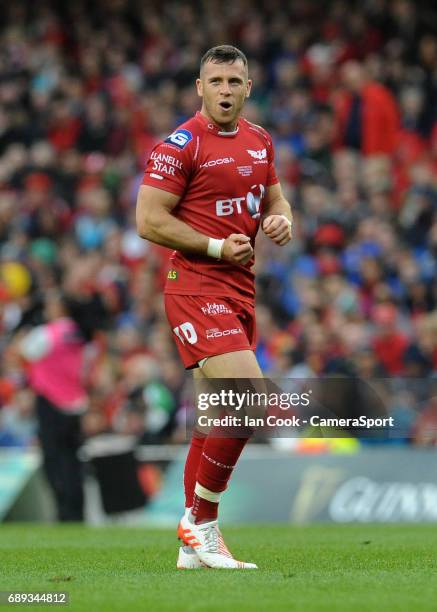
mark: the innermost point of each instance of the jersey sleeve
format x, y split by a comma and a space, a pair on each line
272, 177
170, 163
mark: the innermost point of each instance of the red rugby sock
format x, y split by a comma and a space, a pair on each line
216, 464
192, 465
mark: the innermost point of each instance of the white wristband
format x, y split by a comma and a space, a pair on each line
215, 247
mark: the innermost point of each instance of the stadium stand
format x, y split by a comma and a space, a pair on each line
349, 94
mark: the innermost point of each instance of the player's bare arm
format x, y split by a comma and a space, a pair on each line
155, 222
277, 218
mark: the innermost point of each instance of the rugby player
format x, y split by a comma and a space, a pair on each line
206, 190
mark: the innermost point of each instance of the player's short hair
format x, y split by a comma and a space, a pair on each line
223, 54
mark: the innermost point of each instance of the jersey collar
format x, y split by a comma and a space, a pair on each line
212, 128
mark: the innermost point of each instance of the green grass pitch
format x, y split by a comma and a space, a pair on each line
324, 567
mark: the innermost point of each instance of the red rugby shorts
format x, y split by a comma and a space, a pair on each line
206, 326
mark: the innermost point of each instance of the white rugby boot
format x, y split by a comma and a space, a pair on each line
207, 541
187, 557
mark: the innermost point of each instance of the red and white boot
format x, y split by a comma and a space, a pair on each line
207, 542
187, 557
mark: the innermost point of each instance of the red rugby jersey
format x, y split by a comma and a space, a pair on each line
222, 179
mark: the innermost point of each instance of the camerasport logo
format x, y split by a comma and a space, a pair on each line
215, 309
220, 333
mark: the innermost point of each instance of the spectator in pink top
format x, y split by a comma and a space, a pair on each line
55, 353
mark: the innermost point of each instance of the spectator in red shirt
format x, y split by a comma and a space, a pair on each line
367, 113
389, 343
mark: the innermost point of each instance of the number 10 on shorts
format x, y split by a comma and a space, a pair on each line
186, 331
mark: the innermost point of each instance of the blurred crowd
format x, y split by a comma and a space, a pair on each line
348, 91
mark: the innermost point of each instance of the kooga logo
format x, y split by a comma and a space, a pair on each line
218, 162
363, 500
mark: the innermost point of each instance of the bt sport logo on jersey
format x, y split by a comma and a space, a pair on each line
230, 206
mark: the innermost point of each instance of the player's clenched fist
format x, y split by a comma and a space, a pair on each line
237, 249
278, 228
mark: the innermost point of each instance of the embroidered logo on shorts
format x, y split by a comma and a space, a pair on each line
172, 275
219, 333
212, 308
